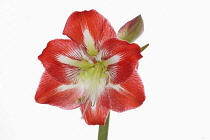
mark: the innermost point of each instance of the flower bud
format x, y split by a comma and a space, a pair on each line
131, 30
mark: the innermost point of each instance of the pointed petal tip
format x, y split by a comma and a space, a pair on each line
94, 123
39, 99
96, 115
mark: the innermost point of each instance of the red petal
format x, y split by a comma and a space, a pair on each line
61, 72
53, 93
98, 26
128, 95
95, 115
122, 57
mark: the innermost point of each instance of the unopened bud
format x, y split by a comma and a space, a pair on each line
131, 30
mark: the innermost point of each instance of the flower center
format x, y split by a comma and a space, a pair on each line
93, 78
92, 73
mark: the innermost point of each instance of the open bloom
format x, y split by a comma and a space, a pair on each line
92, 70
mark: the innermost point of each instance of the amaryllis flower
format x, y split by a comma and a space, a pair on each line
93, 70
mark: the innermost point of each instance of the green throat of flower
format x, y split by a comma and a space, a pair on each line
93, 74
93, 77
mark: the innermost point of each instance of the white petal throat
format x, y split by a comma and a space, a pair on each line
89, 43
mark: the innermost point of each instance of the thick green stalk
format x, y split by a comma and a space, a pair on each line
103, 130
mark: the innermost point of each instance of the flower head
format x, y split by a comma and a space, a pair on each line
92, 70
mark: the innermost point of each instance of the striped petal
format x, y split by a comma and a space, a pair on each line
56, 94
88, 28
125, 96
121, 58
61, 59
95, 115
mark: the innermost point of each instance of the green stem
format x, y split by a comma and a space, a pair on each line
103, 130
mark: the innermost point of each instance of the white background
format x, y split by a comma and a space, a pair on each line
175, 70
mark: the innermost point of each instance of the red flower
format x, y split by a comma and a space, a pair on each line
92, 70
